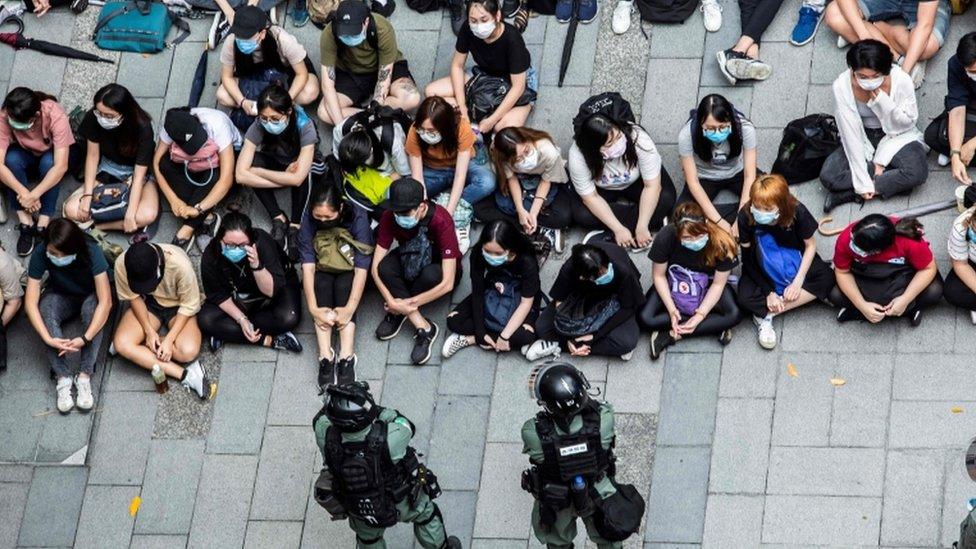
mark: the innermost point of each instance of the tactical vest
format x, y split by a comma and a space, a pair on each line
367, 482
580, 454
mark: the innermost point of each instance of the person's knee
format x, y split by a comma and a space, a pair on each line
125, 342
834, 18
309, 93
186, 349
223, 97
323, 114
286, 318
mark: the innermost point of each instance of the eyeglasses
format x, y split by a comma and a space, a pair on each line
234, 246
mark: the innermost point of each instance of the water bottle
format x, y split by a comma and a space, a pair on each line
581, 497
159, 378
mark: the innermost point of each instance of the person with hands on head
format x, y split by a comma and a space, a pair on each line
718, 152
882, 154
506, 294
252, 290
424, 267
119, 148
953, 133
781, 269
692, 259
11, 298
77, 285
361, 63
333, 295
884, 268
498, 50
161, 287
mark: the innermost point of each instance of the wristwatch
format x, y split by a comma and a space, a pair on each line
86, 340
197, 207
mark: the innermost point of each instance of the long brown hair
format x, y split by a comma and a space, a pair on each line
772, 192
689, 220
503, 150
444, 117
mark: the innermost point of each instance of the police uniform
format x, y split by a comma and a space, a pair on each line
584, 450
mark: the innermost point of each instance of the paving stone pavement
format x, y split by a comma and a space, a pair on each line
728, 449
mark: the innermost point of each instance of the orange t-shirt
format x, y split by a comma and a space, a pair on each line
435, 156
51, 130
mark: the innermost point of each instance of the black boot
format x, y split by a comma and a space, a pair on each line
840, 198
452, 543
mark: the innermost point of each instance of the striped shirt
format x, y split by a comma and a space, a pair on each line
960, 248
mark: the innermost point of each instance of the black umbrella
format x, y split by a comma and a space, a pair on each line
18, 41
199, 80
568, 45
915, 211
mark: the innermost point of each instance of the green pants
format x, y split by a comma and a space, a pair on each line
428, 527
563, 531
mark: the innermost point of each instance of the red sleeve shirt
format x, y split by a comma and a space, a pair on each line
905, 251
440, 230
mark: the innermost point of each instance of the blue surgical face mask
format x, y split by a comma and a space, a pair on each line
406, 221
354, 40
763, 217
20, 126
235, 254
62, 261
605, 278
276, 127
246, 47
971, 235
697, 244
857, 250
718, 136
494, 260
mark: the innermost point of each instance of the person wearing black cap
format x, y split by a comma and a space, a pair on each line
423, 268
258, 51
361, 63
194, 167
161, 287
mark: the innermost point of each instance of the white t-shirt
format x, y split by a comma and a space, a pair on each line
960, 248
721, 166
218, 126
397, 160
617, 174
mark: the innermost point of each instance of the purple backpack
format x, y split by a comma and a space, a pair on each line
687, 288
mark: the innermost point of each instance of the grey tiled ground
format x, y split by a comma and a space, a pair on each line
728, 449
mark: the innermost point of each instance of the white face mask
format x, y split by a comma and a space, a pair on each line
530, 161
431, 138
108, 123
483, 30
971, 76
870, 84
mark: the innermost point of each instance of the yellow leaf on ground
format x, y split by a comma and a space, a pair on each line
837, 382
957, 409
134, 506
791, 369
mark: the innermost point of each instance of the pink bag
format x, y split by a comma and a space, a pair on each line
207, 158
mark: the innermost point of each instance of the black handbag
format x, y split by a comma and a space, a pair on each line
484, 93
110, 199
577, 316
806, 144
619, 516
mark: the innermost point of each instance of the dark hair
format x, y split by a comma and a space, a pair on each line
508, 236
358, 148
719, 108
235, 221
503, 147
587, 261
66, 237
288, 144
876, 232
593, 135
870, 54
245, 65
966, 50
22, 104
491, 6
119, 99
328, 192
444, 117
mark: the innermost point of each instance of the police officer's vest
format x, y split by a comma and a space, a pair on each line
579, 454
368, 483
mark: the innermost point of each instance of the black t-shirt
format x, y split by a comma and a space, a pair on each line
221, 278
803, 227
108, 142
77, 279
503, 57
667, 249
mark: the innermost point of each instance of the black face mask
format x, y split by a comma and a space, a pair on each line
324, 225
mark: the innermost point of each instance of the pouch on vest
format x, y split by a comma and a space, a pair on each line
325, 495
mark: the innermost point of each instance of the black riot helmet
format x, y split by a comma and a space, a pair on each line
561, 390
351, 407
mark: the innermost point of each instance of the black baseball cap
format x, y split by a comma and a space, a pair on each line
185, 130
406, 194
350, 16
144, 265
248, 21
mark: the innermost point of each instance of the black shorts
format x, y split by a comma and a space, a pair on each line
164, 314
360, 87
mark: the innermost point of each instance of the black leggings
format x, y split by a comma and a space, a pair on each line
929, 296
391, 273
299, 195
277, 316
620, 341
756, 16
625, 205
333, 290
712, 188
187, 191
724, 315
461, 321
557, 215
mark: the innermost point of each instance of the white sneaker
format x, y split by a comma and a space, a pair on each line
111, 349
842, 42
943, 160
454, 343
972, 316
65, 402
767, 334
196, 381
540, 349
464, 239
627, 356
558, 241
918, 74
85, 398
592, 234
711, 14
219, 30
621, 17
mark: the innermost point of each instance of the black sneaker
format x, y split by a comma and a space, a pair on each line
846, 314
915, 318
207, 230
456, 9
659, 341
840, 198
292, 243
389, 327
215, 344
725, 337
327, 373
183, 243
25, 242
345, 370
279, 229
423, 342
510, 8
286, 342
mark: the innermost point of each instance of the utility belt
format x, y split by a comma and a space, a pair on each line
554, 497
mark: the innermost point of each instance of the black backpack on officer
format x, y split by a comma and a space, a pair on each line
609, 104
666, 11
806, 144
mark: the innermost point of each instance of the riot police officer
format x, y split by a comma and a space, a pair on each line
371, 474
570, 446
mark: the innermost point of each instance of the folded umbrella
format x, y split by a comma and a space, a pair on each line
18, 41
199, 81
568, 45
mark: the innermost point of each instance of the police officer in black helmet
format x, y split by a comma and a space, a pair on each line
371, 474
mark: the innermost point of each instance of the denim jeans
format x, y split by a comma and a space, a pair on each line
480, 182
25, 165
56, 310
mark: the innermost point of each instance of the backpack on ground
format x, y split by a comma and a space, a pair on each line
806, 144
138, 26
666, 11
609, 104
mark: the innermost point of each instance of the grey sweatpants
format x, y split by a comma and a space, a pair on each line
56, 310
907, 170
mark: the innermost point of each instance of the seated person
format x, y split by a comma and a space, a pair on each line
11, 298
261, 52
912, 30
595, 300
334, 295
718, 152
506, 294
781, 269
35, 145
960, 284
120, 145
195, 169
884, 268
368, 171
278, 151
361, 63
741, 61
953, 133
161, 287
692, 259
77, 285
498, 49
423, 268
619, 182
252, 290
882, 153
